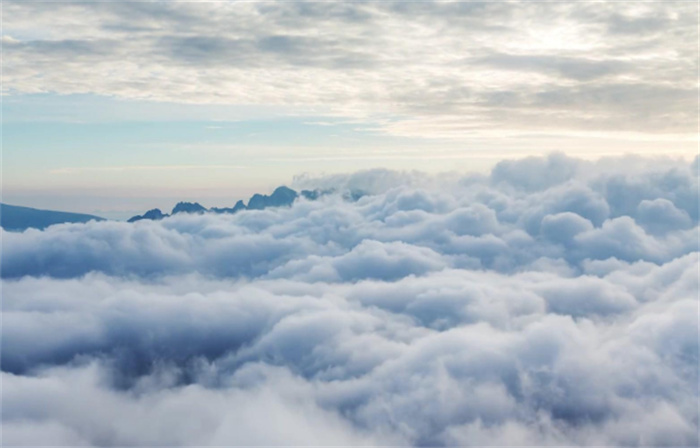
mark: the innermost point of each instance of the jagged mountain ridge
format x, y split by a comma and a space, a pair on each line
282, 197
17, 218
154, 215
238, 207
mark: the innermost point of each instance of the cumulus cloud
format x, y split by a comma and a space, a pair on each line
484, 310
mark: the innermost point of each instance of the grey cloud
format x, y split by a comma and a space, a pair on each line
639, 95
66, 48
660, 215
580, 69
620, 24
535, 173
625, 191
404, 60
660, 107
562, 227
262, 52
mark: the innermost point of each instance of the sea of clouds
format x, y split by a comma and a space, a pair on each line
552, 301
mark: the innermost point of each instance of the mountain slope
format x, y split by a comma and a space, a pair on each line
188, 207
236, 208
154, 214
281, 197
13, 217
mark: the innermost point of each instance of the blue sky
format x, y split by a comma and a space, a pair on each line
115, 107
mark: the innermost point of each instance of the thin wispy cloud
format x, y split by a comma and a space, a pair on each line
82, 169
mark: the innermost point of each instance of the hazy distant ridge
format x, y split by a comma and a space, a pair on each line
13, 217
21, 218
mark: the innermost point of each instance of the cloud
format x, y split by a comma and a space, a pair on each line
435, 69
579, 69
660, 215
484, 310
563, 227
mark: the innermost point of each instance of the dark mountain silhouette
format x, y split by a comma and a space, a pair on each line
281, 197
154, 214
188, 207
236, 208
13, 217
257, 202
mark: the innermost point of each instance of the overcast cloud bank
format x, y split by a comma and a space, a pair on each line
551, 302
428, 68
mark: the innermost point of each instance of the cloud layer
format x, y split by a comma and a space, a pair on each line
417, 69
551, 302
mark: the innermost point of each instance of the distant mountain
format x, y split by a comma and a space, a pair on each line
281, 197
189, 207
236, 208
154, 214
13, 217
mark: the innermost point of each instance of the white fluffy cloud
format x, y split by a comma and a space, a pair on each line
488, 310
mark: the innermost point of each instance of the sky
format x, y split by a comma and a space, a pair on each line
520, 270
116, 107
